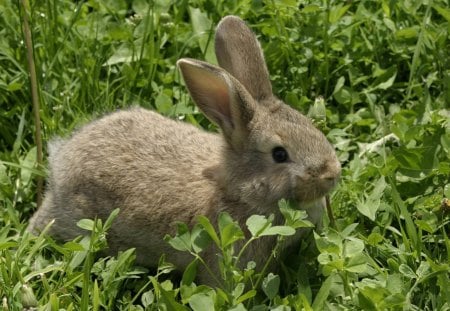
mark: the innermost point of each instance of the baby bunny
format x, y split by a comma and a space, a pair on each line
159, 171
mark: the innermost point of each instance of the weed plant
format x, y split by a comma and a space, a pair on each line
375, 77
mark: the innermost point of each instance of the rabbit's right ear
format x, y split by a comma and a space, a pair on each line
239, 52
220, 97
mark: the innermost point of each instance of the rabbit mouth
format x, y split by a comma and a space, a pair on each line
314, 189
310, 195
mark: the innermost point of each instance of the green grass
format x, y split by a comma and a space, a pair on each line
374, 75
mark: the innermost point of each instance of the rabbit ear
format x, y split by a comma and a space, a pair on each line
220, 97
239, 52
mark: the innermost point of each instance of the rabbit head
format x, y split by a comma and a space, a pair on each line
272, 151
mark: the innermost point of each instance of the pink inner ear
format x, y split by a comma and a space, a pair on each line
223, 103
210, 89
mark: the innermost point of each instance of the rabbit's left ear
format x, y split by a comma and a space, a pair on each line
239, 52
220, 97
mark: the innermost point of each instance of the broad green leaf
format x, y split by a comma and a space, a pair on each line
238, 307
250, 294
392, 302
337, 12
95, 297
124, 54
73, 246
379, 189
374, 238
117, 6
423, 271
182, 240
271, 285
168, 298
339, 84
407, 271
14, 86
325, 244
200, 238
386, 79
86, 224
418, 161
28, 163
395, 282
230, 231
295, 218
343, 96
428, 222
147, 298
190, 273
202, 27
353, 247
330, 262
402, 125
349, 229
368, 208
311, 8
164, 104
230, 234
371, 204
209, 229
357, 264
202, 301
323, 293
256, 224
372, 290
111, 218
80, 256
238, 290
224, 220
407, 33
278, 230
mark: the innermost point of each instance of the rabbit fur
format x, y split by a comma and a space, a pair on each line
160, 171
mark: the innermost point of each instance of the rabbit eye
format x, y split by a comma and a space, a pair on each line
279, 155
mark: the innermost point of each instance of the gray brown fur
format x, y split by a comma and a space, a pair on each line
159, 171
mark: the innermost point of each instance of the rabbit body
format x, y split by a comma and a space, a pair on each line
160, 171
149, 166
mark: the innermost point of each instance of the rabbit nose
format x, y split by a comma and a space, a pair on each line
330, 171
325, 174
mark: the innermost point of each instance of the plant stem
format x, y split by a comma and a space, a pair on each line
280, 241
34, 97
417, 51
330, 212
325, 48
208, 269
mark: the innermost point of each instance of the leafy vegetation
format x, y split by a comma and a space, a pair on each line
374, 75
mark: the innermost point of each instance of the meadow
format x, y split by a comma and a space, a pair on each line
373, 75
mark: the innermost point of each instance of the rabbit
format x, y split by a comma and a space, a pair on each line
159, 171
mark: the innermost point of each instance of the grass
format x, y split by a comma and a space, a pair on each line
374, 75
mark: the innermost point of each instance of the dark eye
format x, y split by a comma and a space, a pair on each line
279, 155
